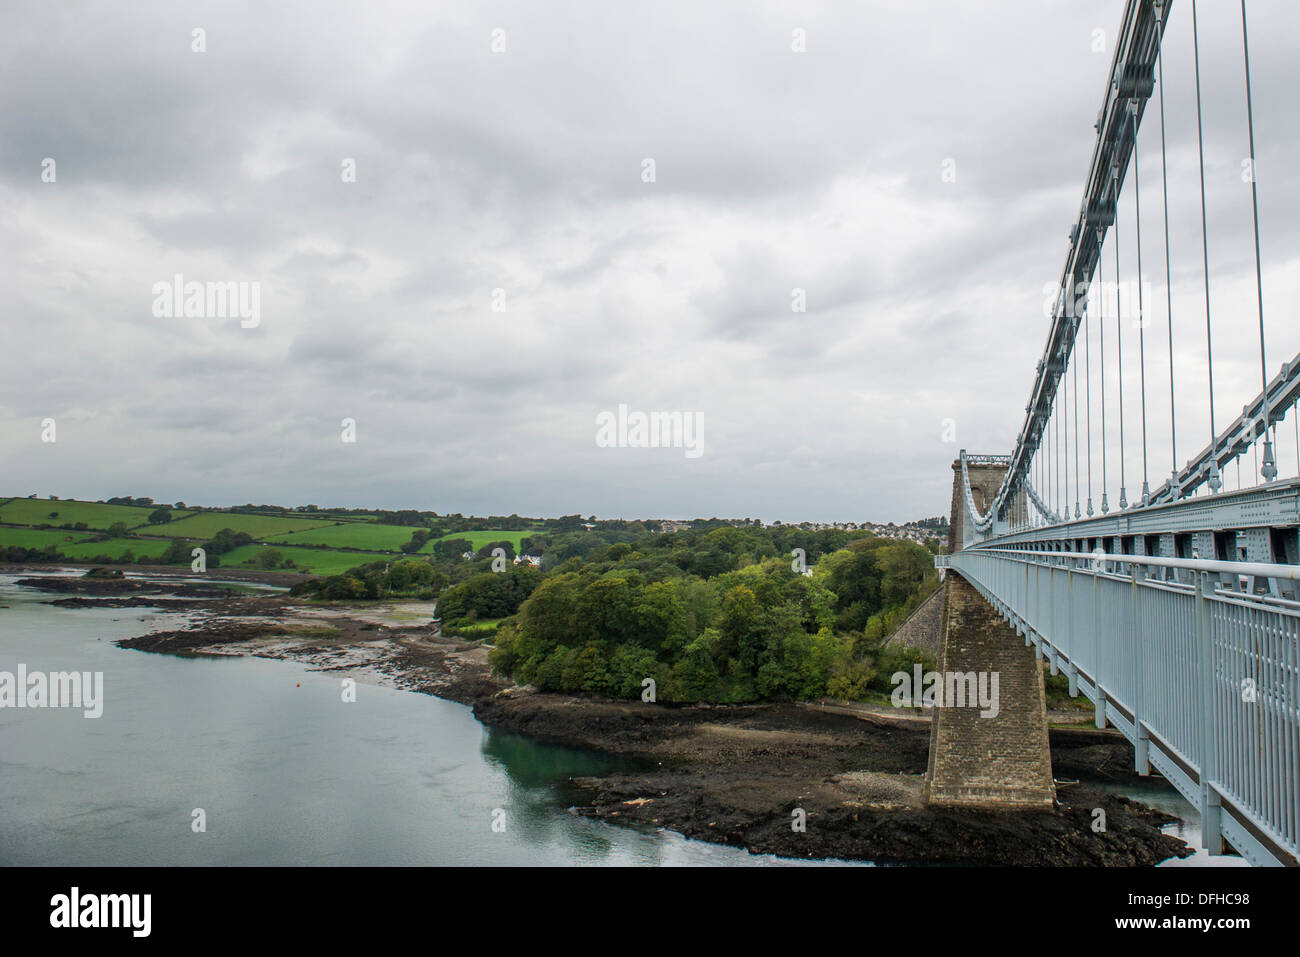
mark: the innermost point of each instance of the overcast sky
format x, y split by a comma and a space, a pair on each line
523, 171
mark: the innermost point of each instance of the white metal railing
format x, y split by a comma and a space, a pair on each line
1200, 672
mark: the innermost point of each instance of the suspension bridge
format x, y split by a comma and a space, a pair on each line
1169, 600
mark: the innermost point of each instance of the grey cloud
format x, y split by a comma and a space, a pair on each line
522, 171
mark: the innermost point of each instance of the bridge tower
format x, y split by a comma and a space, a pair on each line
977, 758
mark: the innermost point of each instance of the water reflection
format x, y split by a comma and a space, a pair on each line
286, 772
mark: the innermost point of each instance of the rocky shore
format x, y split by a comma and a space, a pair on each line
740, 775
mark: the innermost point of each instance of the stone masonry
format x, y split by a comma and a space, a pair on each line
923, 628
998, 761
985, 480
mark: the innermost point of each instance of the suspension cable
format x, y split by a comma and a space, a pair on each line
1169, 289
1101, 378
1142, 319
1214, 481
1119, 349
1087, 352
1038, 464
1051, 457
1065, 447
1074, 370
1270, 468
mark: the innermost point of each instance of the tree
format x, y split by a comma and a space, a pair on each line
177, 553
160, 516
660, 621
227, 540
344, 588
604, 612
549, 615
506, 546
450, 548
117, 530
695, 675
740, 614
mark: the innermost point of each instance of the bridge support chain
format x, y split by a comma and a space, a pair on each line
982, 756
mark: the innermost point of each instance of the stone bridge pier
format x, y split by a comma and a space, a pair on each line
986, 760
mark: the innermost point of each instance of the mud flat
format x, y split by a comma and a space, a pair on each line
120, 586
735, 774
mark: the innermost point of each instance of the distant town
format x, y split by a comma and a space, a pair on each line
926, 531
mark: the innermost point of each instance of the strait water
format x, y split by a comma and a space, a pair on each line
284, 771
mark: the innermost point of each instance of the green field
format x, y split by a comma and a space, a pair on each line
320, 561
203, 526
115, 548
365, 535
39, 537
287, 534
482, 538
36, 511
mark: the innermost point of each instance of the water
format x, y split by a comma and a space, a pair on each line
1163, 796
287, 773
284, 770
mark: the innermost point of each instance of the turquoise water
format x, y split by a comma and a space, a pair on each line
285, 771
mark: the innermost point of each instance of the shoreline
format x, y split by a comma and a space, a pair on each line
246, 576
732, 774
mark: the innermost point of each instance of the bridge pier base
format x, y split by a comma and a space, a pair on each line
1099, 709
988, 757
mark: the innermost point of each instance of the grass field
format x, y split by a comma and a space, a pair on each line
482, 538
366, 535
39, 537
287, 534
203, 526
115, 548
482, 629
318, 561
36, 511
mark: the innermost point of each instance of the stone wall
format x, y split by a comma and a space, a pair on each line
985, 480
924, 627
999, 761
